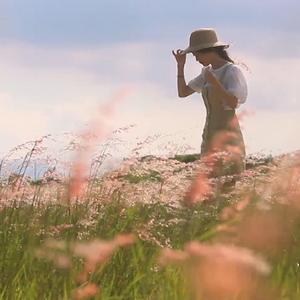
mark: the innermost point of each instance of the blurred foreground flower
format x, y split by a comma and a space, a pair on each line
95, 254
220, 271
225, 156
97, 131
86, 292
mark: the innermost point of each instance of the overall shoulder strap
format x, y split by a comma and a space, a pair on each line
225, 70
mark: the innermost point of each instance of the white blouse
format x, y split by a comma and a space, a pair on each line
234, 82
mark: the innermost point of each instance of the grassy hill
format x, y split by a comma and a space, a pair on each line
131, 236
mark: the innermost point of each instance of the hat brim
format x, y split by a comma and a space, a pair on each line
191, 49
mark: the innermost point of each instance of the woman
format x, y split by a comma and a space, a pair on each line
223, 88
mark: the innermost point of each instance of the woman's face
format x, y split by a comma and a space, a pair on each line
203, 58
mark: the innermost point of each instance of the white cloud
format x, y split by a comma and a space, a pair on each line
272, 131
60, 89
19, 124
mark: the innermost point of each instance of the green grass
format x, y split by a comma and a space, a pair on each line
152, 176
133, 272
186, 157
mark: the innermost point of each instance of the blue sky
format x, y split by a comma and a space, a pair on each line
74, 22
60, 59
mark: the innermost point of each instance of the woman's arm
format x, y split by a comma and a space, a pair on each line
229, 98
183, 89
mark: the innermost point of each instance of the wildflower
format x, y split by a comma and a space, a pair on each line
168, 255
199, 189
229, 253
97, 252
97, 130
94, 252
124, 239
86, 292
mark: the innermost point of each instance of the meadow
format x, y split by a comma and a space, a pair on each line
131, 235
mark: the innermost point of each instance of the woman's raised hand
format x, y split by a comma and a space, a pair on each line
180, 57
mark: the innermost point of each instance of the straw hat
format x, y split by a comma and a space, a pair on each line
203, 38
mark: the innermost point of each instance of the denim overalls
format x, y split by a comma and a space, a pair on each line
219, 120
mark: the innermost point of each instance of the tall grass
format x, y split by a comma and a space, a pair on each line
64, 238
132, 273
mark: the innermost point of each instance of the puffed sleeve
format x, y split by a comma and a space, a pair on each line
196, 83
236, 84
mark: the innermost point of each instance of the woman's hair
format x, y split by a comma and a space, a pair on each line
222, 53
220, 50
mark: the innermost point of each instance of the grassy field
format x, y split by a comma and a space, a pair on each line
151, 250
132, 273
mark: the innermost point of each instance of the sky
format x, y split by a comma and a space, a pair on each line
60, 60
